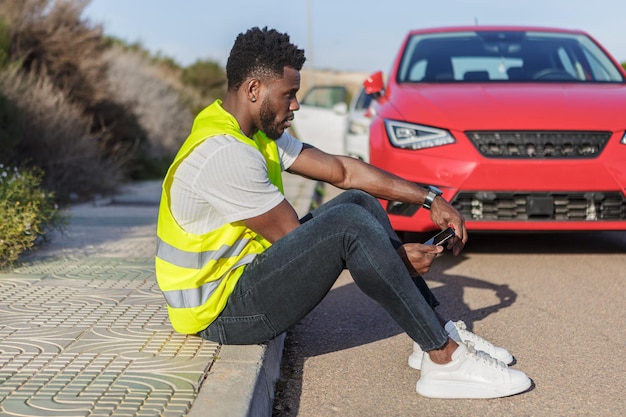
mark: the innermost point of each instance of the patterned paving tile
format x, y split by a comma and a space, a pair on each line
91, 337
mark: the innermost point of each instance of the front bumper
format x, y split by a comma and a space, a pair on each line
512, 194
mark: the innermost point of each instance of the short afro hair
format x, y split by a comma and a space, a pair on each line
261, 53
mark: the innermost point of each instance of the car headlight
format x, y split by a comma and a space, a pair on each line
623, 141
413, 136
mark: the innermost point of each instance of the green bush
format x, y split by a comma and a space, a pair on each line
26, 211
208, 78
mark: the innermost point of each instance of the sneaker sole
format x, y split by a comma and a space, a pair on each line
455, 389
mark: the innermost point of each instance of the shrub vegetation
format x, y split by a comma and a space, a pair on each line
80, 113
207, 78
55, 76
26, 211
152, 93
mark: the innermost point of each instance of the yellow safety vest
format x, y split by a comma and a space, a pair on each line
197, 273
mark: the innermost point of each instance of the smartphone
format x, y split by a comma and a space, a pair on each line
441, 238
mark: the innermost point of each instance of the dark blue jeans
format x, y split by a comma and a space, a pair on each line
284, 283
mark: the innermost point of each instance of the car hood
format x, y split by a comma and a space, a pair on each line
512, 106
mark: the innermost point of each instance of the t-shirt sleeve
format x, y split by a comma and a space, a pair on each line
288, 149
234, 180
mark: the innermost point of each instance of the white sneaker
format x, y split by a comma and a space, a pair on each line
470, 374
459, 333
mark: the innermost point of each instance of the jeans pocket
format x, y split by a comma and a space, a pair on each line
244, 330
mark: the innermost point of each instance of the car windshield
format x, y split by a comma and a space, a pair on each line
505, 56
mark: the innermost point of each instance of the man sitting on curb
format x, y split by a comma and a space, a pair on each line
237, 266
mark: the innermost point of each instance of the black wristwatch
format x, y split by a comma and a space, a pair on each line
432, 193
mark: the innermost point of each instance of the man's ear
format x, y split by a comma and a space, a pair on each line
253, 89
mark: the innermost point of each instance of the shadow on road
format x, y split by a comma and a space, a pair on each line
449, 290
347, 318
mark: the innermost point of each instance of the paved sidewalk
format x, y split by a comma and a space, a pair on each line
84, 328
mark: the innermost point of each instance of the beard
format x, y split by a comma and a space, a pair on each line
268, 121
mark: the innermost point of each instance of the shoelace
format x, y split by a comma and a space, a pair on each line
484, 357
468, 336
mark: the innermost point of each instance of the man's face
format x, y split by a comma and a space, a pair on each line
278, 104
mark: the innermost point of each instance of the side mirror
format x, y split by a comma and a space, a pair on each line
374, 84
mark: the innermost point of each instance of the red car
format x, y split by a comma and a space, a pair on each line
522, 128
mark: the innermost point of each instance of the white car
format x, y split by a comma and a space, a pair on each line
357, 133
326, 122
321, 120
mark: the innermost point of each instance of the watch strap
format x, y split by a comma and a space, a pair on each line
430, 197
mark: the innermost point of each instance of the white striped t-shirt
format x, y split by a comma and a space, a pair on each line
224, 180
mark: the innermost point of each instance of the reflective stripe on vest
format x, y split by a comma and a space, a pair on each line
197, 260
195, 297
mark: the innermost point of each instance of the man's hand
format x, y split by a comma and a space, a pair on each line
418, 257
444, 215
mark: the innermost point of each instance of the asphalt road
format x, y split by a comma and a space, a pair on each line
555, 301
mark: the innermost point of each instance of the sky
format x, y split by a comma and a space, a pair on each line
343, 35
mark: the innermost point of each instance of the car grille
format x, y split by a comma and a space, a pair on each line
539, 144
553, 206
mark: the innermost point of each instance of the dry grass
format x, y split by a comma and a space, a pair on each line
154, 97
57, 137
57, 53
52, 38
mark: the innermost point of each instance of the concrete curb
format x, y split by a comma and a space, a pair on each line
241, 381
